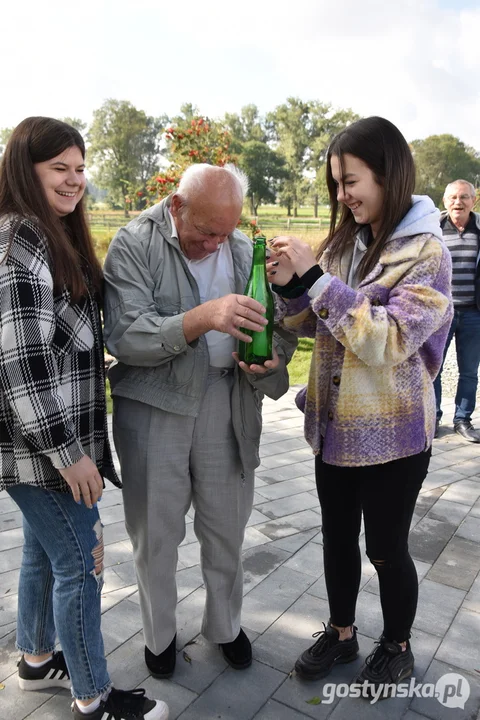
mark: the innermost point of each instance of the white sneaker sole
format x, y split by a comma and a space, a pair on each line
159, 712
32, 685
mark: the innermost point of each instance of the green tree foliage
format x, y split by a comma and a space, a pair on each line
75, 123
4, 138
124, 151
439, 160
290, 130
265, 168
245, 127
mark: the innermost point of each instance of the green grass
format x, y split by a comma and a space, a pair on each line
299, 366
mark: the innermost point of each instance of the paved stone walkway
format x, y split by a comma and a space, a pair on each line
285, 598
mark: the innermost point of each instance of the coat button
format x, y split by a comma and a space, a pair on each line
176, 348
330, 415
323, 313
336, 380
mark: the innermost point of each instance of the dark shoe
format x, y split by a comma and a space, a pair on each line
125, 705
52, 674
387, 664
318, 660
238, 653
466, 430
163, 665
437, 428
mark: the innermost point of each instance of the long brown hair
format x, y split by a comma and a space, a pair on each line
35, 140
383, 148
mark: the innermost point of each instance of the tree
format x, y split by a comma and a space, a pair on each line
4, 138
76, 123
190, 139
245, 127
124, 149
264, 168
290, 130
439, 160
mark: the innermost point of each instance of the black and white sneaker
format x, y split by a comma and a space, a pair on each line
125, 705
52, 674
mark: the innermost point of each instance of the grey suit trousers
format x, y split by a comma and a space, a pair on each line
169, 461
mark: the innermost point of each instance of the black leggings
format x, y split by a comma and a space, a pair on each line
387, 495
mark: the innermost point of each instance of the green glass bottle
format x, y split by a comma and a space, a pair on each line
260, 349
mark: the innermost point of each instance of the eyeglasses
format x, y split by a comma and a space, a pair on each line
460, 197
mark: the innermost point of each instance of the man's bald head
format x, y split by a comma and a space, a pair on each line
207, 207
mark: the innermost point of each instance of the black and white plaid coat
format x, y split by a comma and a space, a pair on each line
52, 382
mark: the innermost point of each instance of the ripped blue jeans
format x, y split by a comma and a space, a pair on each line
61, 578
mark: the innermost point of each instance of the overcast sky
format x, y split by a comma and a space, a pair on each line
416, 62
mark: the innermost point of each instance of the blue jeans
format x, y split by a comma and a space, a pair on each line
466, 328
60, 585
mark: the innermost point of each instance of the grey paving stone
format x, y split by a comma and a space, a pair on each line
432, 708
287, 505
9, 583
272, 597
287, 458
286, 472
259, 562
119, 624
7, 629
10, 559
286, 488
118, 553
297, 693
256, 518
8, 609
472, 600
115, 532
290, 524
55, 708
7, 505
470, 529
10, 520
427, 499
273, 710
468, 467
189, 555
237, 696
307, 560
440, 478
458, 564
8, 656
177, 697
282, 643
466, 492
111, 599
254, 538
475, 511
282, 446
201, 664
292, 543
428, 539
112, 514
461, 645
447, 511
437, 606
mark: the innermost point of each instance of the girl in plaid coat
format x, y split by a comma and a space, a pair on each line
377, 301
54, 450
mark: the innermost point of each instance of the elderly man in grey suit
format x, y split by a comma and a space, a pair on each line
187, 413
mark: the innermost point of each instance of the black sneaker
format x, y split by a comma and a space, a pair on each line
318, 660
52, 674
125, 705
387, 664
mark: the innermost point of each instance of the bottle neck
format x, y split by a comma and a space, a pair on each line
259, 252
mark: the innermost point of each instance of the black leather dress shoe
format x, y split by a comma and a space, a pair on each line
163, 665
466, 430
238, 653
